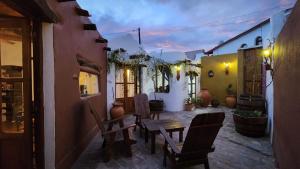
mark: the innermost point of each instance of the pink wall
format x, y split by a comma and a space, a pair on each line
74, 125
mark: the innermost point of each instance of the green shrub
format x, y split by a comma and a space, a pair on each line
248, 113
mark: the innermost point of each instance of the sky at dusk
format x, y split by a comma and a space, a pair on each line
180, 25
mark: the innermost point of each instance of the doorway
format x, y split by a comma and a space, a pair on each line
16, 123
253, 72
128, 84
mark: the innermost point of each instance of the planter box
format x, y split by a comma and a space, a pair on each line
250, 126
156, 105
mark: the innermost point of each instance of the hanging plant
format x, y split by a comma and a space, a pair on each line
191, 73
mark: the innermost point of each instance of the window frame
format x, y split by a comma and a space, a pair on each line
258, 41
190, 86
165, 90
92, 71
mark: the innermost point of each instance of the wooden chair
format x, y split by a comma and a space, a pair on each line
197, 144
142, 111
108, 132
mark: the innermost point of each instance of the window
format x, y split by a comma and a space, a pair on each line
258, 41
244, 46
88, 84
162, 74
192, 86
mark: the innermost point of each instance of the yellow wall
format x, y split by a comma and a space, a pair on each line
217, 85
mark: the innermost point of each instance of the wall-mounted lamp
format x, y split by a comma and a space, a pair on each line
267, 54
227, 66
178, 68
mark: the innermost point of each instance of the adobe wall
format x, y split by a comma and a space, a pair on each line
287, 94
74, 124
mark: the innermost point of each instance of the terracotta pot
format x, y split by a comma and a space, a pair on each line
117, 110
189, 107
205, 96
230, 101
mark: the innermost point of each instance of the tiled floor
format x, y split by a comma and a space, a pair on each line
233, 151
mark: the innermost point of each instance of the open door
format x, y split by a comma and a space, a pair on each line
16, 101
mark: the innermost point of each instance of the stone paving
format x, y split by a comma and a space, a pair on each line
233, 151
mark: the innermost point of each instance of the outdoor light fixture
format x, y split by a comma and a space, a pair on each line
227, 66
267, 54
178, 72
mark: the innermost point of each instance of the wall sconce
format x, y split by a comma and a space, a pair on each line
178, 68
227, 66
267, 54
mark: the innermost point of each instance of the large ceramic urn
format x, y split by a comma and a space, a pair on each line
205, 97
117, 110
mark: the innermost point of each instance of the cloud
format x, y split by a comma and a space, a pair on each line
181, 24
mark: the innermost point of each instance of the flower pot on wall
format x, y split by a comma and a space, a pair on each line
156, 105
117, 110
205, 97
230, 101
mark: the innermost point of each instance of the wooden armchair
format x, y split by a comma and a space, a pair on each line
142, 111
108, 132
197, 144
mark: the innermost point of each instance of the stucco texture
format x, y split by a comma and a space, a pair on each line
74, 124
218, 84
287, 94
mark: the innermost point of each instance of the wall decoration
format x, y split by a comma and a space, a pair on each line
211, 74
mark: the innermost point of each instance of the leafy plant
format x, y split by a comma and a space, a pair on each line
215, 103
230, 90
188, 101
248, 113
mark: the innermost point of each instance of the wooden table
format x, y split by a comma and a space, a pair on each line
152, 128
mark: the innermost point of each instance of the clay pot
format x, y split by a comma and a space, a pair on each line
230, 101
205, 96
117, 110
189, 107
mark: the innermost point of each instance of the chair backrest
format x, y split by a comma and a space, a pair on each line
97, 117
141, 105
201, 135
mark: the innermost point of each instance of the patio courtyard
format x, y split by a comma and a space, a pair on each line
233, 151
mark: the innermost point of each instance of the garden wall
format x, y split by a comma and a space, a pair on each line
219, 82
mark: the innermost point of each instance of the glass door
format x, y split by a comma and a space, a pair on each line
15, 82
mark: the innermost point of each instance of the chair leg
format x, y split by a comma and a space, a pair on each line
206, 164
127, 142
165, 156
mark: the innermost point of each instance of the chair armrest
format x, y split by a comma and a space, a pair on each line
113, 120
119, 129
169, 140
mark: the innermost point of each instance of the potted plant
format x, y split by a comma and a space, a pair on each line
188, 104
215, 103
230, 99
250, 118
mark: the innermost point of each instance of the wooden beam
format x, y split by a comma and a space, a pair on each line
82, 12
107, 48
101, 40
91, 26
65, 0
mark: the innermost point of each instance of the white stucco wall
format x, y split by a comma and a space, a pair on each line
49, 96
174, 100
277, 22
111, 88
249, 39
